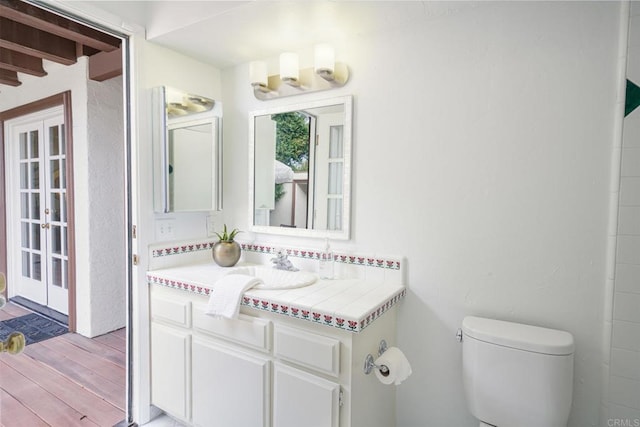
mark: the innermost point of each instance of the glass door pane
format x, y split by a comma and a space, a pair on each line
30, 202
56, 197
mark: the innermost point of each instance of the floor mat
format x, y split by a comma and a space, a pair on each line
34, 327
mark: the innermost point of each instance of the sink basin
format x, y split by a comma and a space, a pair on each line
277, 279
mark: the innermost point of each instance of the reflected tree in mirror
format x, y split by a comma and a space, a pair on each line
292, 146
292, 140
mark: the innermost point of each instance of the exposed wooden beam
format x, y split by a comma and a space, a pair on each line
88, 51
105, 65
9, 78
33, 16
16, 61
28, 40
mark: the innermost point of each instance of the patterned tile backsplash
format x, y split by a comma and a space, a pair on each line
347, 265
367, 261
163, 250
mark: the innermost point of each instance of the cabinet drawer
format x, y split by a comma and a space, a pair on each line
175, 311
247, 330
308, 349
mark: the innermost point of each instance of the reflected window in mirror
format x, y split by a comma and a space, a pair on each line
301, 169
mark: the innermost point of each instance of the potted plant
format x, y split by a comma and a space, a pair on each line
226, 252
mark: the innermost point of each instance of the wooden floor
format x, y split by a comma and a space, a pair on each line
64, 381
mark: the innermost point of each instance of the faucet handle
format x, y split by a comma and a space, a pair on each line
278, 256
280, 252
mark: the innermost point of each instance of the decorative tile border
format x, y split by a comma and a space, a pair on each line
320, 317
176, 284
182, 249
365, 261
312, 254
315, 316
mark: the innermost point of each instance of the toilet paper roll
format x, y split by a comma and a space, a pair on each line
398, 365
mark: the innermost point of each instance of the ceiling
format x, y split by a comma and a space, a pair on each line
220, 33
228, 33
31, 37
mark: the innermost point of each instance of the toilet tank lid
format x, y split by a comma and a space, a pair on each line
520, 336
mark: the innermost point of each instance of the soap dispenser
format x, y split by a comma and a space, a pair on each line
325, 268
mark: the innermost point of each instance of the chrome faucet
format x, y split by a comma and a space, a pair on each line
281, 261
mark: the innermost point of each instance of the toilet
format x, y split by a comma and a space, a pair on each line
516, 375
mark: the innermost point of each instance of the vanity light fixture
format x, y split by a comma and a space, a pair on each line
182, 104
325, 74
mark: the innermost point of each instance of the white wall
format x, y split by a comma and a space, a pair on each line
99, 211
163, 67
495, 125
106, 205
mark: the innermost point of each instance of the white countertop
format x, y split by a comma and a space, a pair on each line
349, 304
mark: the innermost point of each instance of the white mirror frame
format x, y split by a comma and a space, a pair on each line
343, 234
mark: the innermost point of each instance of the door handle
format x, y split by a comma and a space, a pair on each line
46, 225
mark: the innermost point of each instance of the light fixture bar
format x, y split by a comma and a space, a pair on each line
308, 82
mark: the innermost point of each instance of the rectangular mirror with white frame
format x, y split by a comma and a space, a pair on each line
187, 152
300, 169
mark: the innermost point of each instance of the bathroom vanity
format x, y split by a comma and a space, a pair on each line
292, 358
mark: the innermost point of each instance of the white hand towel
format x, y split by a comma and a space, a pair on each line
224, 300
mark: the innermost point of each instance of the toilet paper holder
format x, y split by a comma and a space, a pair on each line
369, 361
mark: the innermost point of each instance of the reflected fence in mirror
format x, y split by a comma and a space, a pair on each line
187, 144
300, 169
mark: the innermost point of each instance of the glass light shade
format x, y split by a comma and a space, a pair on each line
289, 66
258, 73
324, 58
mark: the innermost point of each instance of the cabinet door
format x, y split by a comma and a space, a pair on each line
230, 387
170, 370
303, 399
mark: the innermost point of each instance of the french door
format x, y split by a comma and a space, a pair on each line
37, 249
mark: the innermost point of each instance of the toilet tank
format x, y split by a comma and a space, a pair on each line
517, 375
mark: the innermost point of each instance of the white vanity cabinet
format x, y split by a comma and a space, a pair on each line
229, 387
171, 356
263, 369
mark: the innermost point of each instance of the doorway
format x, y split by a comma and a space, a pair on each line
36, 223
57, 255
37, 252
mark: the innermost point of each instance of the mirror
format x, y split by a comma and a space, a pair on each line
187, 152
300, 174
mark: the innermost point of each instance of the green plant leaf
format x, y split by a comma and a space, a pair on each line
227, 236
